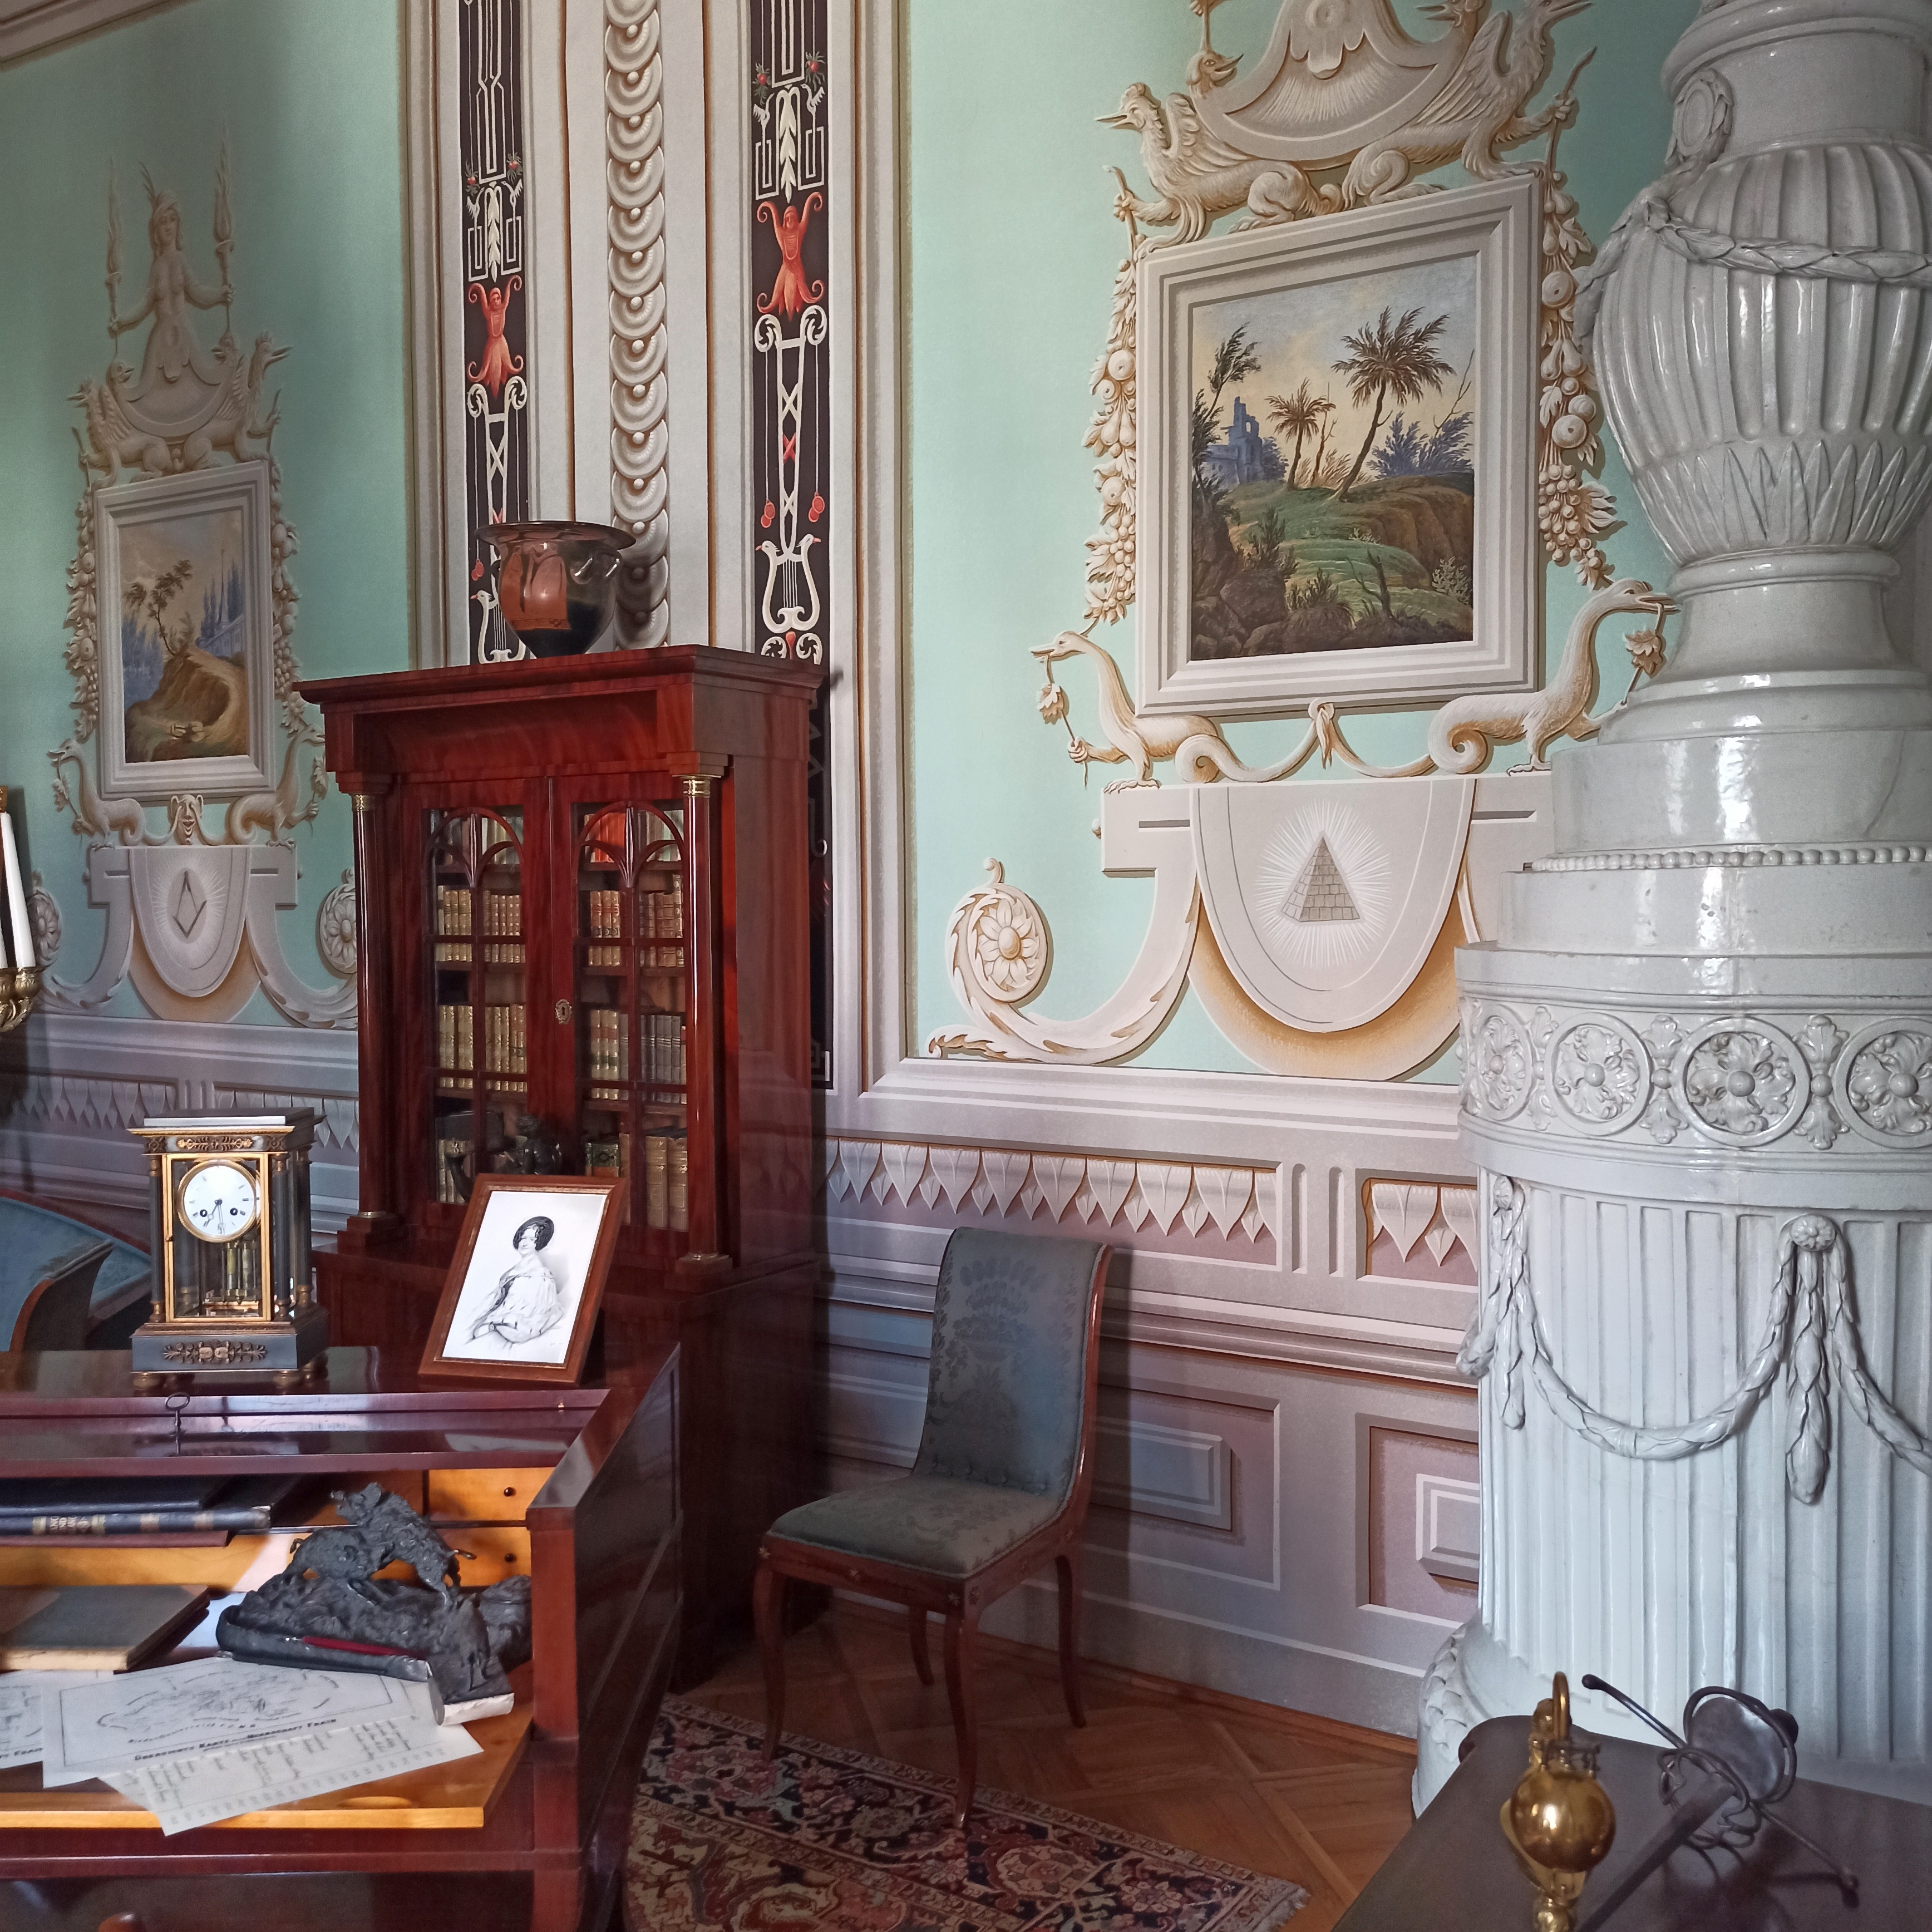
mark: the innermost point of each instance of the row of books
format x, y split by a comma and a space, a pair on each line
504, 1042
450, 1177
502, 914
610, 1045
452, 912
455, 1038
667, 1181
605, 912
496, 953
664, 1049
660, 918
610, 1059
667, 1174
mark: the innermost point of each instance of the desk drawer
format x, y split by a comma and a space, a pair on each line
482, 1496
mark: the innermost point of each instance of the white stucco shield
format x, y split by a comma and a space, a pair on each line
1326, 899
191, 904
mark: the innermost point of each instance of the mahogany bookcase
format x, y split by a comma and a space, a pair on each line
582, 892
576, 1488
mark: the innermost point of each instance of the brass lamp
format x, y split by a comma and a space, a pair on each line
1559, 1820
19, 967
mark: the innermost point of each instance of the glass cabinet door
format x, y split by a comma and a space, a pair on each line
631, 997
477, 1039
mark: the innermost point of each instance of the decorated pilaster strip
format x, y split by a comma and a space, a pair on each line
495, 336
640, 436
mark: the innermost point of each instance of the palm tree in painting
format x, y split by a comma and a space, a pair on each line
1317, 470
1296, 415
1387, 364
149, 597
1234, 357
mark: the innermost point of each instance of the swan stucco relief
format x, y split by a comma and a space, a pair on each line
1343, 110
180, 615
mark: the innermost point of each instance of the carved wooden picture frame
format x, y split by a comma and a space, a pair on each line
1311, 297
526, 1279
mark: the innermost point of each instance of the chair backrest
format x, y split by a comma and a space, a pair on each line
34, 1237
1016, 1351
54, 1315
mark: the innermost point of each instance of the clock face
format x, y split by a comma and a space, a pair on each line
219, 1201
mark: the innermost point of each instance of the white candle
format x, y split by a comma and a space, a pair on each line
19, 928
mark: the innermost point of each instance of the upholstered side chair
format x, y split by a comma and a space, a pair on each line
1000, 1486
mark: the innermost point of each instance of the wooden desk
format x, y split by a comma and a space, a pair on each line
1453, 1873
578, 1488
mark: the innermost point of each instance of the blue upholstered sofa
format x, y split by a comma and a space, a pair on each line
32, 1236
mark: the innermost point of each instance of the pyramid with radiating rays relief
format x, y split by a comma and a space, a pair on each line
1320, 896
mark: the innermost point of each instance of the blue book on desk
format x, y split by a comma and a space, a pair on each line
138, 1506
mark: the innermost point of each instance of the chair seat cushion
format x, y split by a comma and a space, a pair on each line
935, 1523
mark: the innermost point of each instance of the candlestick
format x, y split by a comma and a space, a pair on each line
20, 927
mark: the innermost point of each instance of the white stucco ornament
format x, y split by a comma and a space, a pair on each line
1343, 109
1411, 870
181, 616
1315, 922
1698, 1052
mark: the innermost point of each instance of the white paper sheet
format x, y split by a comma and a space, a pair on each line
186, 1792
20, 1692
114, 1724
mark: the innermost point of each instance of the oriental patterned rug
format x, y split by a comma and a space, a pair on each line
826, 1840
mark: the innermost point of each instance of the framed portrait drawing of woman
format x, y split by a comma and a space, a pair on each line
522, 1293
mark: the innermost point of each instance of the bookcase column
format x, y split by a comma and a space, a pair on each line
376, 1204
701, 1097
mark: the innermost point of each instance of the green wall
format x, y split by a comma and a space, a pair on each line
308, 94
1012, 251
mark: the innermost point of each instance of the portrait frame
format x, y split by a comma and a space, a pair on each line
579, 1201
124, 514
1495, 226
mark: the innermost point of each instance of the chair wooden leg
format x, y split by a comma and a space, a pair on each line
922, 1658
1070, 1566
768, 1594
961, 1634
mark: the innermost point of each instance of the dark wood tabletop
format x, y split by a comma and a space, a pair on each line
1454, 1872
536, 1842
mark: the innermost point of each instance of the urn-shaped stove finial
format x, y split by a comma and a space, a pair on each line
1765, 346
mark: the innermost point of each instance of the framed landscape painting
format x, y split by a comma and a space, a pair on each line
1337, 458
187, 634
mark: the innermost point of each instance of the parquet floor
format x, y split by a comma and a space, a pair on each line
1278, 1792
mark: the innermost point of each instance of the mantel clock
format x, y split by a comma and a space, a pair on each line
229, 1213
